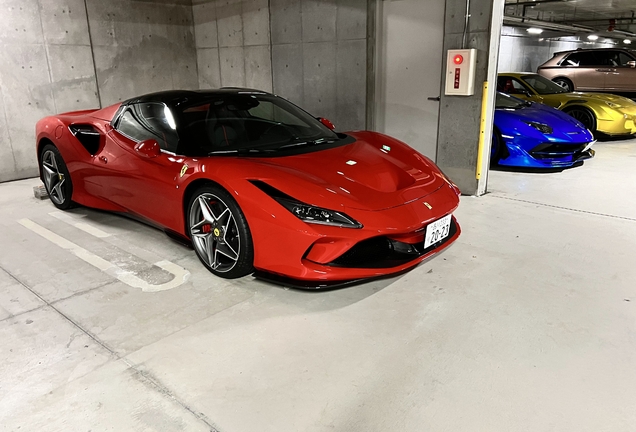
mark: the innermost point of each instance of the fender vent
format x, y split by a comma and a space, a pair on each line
88, 136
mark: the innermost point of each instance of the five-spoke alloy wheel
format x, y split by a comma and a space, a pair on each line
57, 180
220, 234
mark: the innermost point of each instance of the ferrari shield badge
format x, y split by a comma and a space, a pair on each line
184, 168
430, 207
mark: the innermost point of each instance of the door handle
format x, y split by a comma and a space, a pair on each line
605, 70
435, 98
103, 159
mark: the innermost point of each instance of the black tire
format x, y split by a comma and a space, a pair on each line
222, 242
583, 115
57, 179
496, 149
565, 83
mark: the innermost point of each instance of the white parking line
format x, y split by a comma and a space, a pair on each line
180, 274
72, 220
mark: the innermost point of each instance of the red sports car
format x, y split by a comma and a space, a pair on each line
255, 183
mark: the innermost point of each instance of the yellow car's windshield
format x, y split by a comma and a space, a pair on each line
542, 85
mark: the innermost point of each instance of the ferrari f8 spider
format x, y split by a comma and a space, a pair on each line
254, 183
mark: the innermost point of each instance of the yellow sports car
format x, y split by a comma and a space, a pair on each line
599, 112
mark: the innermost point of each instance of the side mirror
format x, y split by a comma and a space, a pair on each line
148, 149
327, 123
631, 64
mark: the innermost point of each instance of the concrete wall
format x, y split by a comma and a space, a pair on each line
46, 68
142, 46
47, 62
520, 53
233, 43
319, 57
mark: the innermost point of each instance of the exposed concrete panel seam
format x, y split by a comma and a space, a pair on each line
564, 208
196, 48
46, 53
271, 43
142, 375
6, 123
90, 41
218, 45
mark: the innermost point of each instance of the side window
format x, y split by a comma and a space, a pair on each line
150, 121
511, 86
581, 59
624, 59
607, 58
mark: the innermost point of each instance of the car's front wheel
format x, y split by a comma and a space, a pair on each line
57, 179
219, 232
583, 115
565, 83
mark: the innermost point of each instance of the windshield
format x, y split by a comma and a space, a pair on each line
246, 124
509, 102
542, 85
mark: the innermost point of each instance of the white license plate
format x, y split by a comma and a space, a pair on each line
437, 231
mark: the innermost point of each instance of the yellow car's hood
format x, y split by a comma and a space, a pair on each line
564, 98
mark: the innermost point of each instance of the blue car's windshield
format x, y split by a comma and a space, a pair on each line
508, 102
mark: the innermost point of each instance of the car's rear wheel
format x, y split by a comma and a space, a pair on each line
57, 179
583, 115
219, 232
565, 83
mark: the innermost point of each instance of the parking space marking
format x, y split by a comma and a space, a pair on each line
72, 220
180, 274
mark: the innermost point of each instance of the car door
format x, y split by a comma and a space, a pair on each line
622, 76
590, 69
145, 186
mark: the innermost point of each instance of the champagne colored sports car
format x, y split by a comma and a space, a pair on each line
255, 183
599, 112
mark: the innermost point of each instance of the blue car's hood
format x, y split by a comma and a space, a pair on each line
564, 127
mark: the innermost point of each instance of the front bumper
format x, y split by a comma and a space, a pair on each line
390, 242
548, 155
618, 124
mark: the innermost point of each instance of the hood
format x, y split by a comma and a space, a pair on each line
564, 127
565, 98
375, 172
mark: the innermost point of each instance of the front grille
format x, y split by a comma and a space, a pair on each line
383, 252
551, 151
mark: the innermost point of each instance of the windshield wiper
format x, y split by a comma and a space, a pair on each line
307, 143
241, 151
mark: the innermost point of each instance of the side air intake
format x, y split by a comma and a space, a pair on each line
88, 136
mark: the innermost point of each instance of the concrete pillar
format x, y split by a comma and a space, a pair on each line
460, 126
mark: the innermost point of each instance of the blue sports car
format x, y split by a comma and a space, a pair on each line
533, 135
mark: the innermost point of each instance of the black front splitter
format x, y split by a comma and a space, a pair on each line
318, 285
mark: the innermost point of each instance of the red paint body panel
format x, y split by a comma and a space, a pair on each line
377, 180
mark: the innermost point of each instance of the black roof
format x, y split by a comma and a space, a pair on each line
177, 97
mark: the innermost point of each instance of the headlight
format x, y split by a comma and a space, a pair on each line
612, 105
318, 215
543, 128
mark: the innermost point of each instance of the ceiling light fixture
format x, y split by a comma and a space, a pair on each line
534, 30
592, 37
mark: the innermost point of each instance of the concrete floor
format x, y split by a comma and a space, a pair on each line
526, 324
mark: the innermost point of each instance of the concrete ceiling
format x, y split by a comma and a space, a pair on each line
591, 15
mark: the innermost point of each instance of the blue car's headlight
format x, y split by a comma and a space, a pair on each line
318, 215
541, 127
